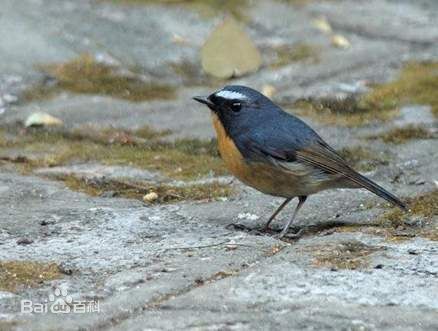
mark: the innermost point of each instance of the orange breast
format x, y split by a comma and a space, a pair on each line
264, 177
228, 150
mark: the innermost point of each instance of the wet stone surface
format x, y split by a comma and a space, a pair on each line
176, 263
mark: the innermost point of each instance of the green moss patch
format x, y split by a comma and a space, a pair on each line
8, 325
25, 274
396, 225
165, 193
183, 159
180, 159
425, 205
192, 74
404, 134
417, 83
85, 75
287, 54
348, 111
146, 132
362, 158
347, 255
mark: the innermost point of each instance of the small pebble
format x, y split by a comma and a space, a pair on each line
269, 90
322, 25
199, 281
340, 41
231, 247
42, 119
150, 197
24, 241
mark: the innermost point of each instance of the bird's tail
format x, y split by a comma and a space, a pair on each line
380, 191
322, 156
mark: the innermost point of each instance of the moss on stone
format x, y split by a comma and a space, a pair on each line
165, 193
143, 148
404, 134
362, 158
287, 54
396, 225
425, 205
417, 83
340, 111
147, 132
8, 325
181, 159
347, 255
15, 275
85, 75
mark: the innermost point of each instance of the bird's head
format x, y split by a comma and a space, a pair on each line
238, 106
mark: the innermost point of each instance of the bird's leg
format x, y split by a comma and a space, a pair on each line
266, 227
301, 201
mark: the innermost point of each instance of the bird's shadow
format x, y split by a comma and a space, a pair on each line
293, 230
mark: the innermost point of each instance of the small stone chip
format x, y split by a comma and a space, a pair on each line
230, 247
340, 41
269, 90
24, 241
322, 24
248, 216
42, 119
150, 197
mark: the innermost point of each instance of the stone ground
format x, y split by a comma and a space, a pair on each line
178, 266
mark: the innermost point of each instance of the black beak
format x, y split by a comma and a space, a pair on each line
204, 100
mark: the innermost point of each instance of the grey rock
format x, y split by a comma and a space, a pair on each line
179, 266
100, 171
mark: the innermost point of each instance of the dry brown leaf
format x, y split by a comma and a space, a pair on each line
229, 52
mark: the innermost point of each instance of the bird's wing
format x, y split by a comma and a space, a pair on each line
322, 156
311, 150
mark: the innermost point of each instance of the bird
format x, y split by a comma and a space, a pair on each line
277, 153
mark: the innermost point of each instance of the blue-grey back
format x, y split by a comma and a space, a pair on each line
271, 130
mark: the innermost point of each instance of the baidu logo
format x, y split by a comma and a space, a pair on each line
60, 303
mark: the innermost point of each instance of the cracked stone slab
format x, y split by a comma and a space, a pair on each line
404, 21
178, 266
122, 252
137, 258
310, 315
287, 291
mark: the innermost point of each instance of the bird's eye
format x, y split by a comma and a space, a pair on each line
236, 106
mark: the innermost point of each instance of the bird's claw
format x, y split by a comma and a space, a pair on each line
289, 235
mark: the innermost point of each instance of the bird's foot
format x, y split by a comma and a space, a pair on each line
234, 226
288, 235
244, 228
266, 228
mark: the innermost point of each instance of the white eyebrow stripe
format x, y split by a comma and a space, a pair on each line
231, 95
